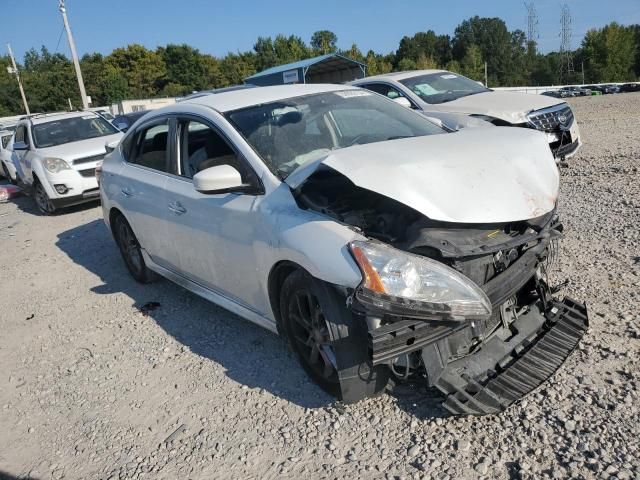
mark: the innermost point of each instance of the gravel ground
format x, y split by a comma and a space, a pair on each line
91, 387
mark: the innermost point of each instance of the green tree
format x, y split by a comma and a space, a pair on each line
494, 41
185, 69
50, 81
324, 41
472, 64
143, 69
354, 53
610, 53
425, 44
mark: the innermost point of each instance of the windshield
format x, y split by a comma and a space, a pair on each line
292, 132
442, 87
67, 130
5, 140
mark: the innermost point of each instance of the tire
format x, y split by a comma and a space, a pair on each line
328, 340
43, 202
131, 251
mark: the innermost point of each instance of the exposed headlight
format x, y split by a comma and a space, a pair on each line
409, 284
55, 165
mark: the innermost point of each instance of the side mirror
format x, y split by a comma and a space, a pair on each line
403, 101
111, 146
218, 179
20, 146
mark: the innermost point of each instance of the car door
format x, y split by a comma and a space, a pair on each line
22, 158
141, 185
212, 236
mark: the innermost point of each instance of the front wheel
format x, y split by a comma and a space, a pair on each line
328, 342
131, 251
43, 202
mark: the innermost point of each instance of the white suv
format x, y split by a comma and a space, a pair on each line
56, 156
439, 94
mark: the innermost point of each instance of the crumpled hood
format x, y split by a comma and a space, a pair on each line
509, 106
83, 148
495, 175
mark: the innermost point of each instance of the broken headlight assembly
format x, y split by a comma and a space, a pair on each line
401, 283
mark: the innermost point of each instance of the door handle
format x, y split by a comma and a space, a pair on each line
126, 192
176, 208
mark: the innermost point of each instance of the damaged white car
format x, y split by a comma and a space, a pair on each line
382, 247
449, 96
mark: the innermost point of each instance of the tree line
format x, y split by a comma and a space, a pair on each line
608, 54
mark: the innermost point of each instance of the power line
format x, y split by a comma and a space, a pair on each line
566, 55
59, 38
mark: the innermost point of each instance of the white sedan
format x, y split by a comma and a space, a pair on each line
381, 247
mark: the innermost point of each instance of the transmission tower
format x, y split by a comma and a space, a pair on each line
532, 22
566, 55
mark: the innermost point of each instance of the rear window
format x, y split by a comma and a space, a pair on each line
68, 130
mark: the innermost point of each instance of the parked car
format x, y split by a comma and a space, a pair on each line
7, 169
377, 243
124, 122
609, 89
557, 94
442, 91
56, 156
630, 87
577, 91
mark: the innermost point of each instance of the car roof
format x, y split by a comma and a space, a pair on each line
248, 97
399, 75
49, 117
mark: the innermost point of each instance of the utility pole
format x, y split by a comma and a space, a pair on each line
14, 71
486, 81
583, 82
74, 54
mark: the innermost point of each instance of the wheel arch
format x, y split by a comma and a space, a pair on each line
279, 272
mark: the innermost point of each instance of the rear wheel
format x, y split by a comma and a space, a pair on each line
131, 251
43, 202
329, 345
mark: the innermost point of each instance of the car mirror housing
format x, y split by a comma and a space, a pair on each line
219, 179
20, 146
111, 146
403, 101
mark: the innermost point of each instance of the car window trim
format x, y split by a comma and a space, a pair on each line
179, 117
152, 122
400, 91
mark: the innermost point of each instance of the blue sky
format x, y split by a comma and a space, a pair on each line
220, 26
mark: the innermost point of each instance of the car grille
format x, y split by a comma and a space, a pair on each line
89, 172
93, 158
552, 119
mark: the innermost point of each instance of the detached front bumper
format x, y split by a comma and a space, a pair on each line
499, 372
503, 372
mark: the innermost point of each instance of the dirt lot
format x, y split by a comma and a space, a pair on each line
90, 387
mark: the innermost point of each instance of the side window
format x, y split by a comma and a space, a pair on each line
202, 147
151, 147
386, 90
21, 135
